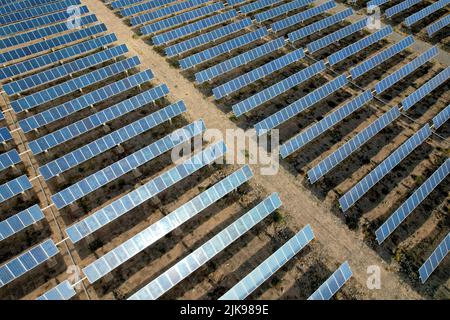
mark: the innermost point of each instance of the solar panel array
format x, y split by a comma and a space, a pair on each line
20, 5
14, 187
422, 14
5, 135
63, 291
144, 6
437, 26
441, 118
402, 6
257, 5
281, 10
267, 268
20, 221
9, 159
435, 259
208, 250
332, 285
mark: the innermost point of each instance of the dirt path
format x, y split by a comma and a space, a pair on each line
341, 243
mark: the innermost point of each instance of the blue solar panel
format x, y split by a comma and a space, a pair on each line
119, 168
361, 188
222, 48
435, 27
133, 199
5, 135
257, 74
2, 116
20, 221
64, 70
27, 261
359, 45
441, 118
277, 89
51, 43
63, 291
404, 71
110, 140
57, 56
96, 120
319, 25
300, 105
9, 159
194, 27
165, 225
402, 6
208, 250
14, 187
269, 266
281, 10
332, 285
336, 36
376, 3
181, 18
123, 3
240, 60
144, 6
351, 146
19, 5
207, 38
257, 5
425, 89
312, 132
380, 57
435, 259
412, 202
422, 14
302, 16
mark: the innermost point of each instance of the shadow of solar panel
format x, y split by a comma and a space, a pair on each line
144, 6
9, 159
441, 118
380, 57
111, 140
402, 6
435, 259
170, 222
277, 89
20, 221
133, 199
281, 10
437, 26
256, 74
361, 188
257, 5
422, 14
208, 250
14, 187
27, 261
269, 266
5, 135
352, 145
332, 285
63, 291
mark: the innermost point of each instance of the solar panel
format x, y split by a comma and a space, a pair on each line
165, 225
122, 3
133, 199
37, 11
359, 45
402, 6
51, 43
352, 145
407, 207
234, 2
2, 116
67, 108
206, 38
435, 259
282, 9
332, 285
425, 89
441, 118
269, 266
222, 48
422, 14
361, 188
240, 60
181, 18
27, 261
302, 16
165, 11
144, 6
312, 132
63, 291
119, 168
54, 57
43, 32
14, 187
319, 25
435, 27
96, 147
257, 5
277, 89
37, 22
300, 105
380, 57
256, 74
19, 5
20, 221
208, 250
96, 120
9, 159
5, 135
194, 27
63, 70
